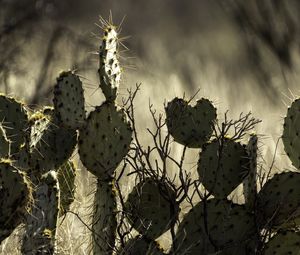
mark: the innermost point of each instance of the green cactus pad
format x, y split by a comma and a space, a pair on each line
149, 210
4, 144
278, 202
104, 218
249, 184
41, 224
13, 116
291, 133
20, 160
50, 144
66, 178
69, 100
109, 67
285, 242
141, 246
211, 226
222, 166
105, 140
190, 126
15, 198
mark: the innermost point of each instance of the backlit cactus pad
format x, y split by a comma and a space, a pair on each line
50, 145
212, 225
190, 126
285, 242
222, 166
109, 68
15, 198
13, 116
279, 200
149, 211
291, 133
69, 100
105, 140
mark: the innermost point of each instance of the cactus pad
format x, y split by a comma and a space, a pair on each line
69, 100
149, 208
104, 218
13, 116
20, 160
4, 144
50, 145
66, 178
222, 166
212, 225
285, 242
42, 222
15, 198
190, 126
291, 131
279, 200
105, 140
109, 67
141, 246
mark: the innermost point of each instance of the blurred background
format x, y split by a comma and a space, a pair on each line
242, 55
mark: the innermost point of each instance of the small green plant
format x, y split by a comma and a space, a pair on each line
37, 175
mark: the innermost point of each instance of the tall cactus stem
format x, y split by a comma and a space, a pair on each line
104, 219
40, 237
249, 183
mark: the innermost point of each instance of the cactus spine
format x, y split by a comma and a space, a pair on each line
4, 144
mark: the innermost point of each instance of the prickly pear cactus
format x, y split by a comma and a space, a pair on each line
109, 68
190, 126
15, 198
250, 185
212, 226
4, 144
40, 235
69, 100
105, 140
140, 246
150, 209
13, 116
285, 242
66, 178
50, 145
104, 218
222, 166
21, 159
279, 199
291, 130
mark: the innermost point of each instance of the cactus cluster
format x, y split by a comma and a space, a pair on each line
34, 148
37, 176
